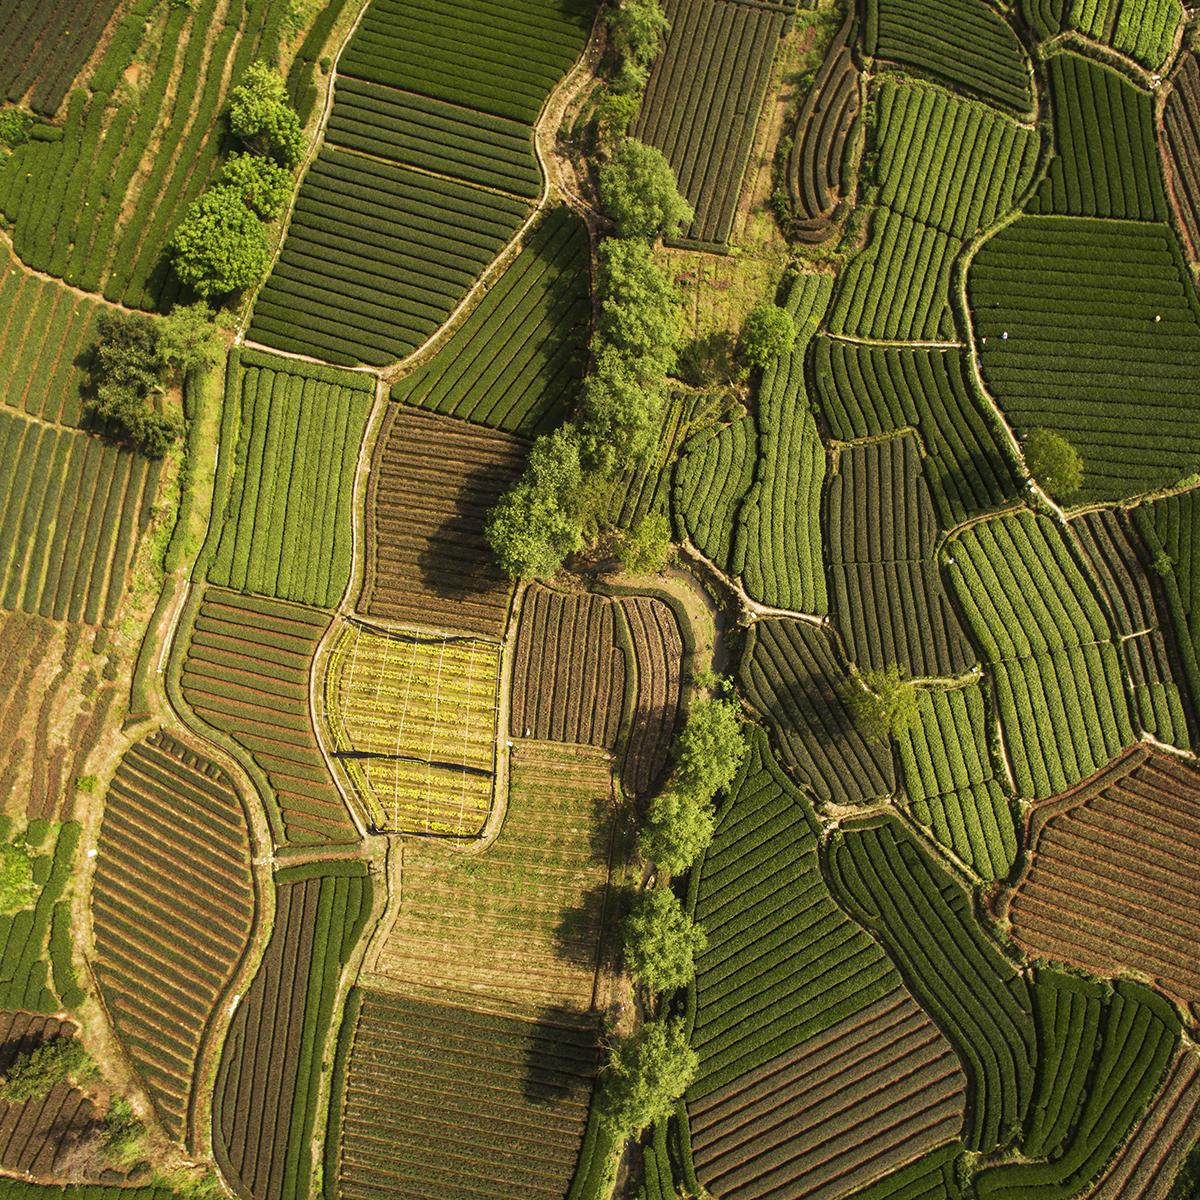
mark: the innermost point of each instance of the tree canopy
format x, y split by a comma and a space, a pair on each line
647, 1073
261, 117
264, 185
679, 829
711, 747
639, 192
220, 246
1054, 463
17, 887
537, 523
661, 941
886, 704
768, 332
34, 1074
638, 27
640, 312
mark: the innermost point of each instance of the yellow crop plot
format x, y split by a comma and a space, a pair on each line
412, 719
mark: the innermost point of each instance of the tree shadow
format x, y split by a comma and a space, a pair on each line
561, 1055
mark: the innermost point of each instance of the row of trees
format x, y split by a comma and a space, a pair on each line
222, 246
651, 1069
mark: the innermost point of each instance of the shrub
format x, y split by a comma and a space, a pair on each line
1054, 463
639, 192
646, 548
261, 117
15, 124
220, 246
661, 941
768, 333
264, 185
32, 1075
17, 887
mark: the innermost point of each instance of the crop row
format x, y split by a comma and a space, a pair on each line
1138, 1036
569, 669
1143, 29
712, 477
1105, 160
43, 48
96, 201
657, 645
376, 257
286, 530
864, 391
519, 926
931, 1177
44, 335
1103, 329
1158, 1148
1136, 598
703, 99
816, 165
432, 482
783, 963
518, 361
481, 54
953, 164
1180, 147
965, 42
172, 906
267, 1085
1084, 895
791, 674
888, 597
31, 941
246, 674
442, 1100
884, 877
865, 1096
72, 510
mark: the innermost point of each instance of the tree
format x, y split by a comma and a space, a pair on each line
646, 548
661, 941
638, 190
537, 523
220, 246
264, 185
638, 27
616, 111
17, 887
261, 117
620, 413
33, 1075
15, 124
887, 704
648, 1072
768, 332
640, 312
188, 338
711, 747
679, 830
1054, 463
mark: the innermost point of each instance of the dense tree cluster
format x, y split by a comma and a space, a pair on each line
1054, 463
34, 1074
221, 246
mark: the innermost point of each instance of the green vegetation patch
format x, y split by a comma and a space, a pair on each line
285, 530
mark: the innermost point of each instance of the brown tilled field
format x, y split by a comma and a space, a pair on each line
520, 923
172, 907
1181, 148
1112, 884
873, 1092
658, 652
569, 672
432, 482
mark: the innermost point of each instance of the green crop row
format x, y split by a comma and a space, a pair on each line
376, 258
286, 529
782, 962
43, 48
868, 390
965, 42
1143, 29
1105, 160
301, 77
265, 1096
1137, 1037
72, 508
118, 218
931, 1177
1092, 328
712, 477
517, 362
981, 159
884, 877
